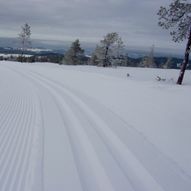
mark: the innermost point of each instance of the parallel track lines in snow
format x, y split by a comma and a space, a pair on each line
16, 142
5, 113
135, 172
91, 172
19, 155
33, 179
4, 108
75, 143
84, 154
98, 179
151, 184
135, 177
11, 143
22, 142
23, 157
8, 135
16, 157
6, 128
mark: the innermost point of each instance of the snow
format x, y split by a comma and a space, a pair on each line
93, 129
38, 49
14, 55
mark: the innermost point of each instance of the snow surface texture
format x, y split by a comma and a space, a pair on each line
84, 128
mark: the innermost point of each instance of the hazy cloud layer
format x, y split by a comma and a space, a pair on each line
89, 20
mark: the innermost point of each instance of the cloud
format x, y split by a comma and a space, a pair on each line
89, 20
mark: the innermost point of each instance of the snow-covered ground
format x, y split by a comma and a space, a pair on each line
14, 55
86, 128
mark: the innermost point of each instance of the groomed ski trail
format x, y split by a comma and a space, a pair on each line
20, 138
101, 157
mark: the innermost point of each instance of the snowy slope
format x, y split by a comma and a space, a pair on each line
86, 128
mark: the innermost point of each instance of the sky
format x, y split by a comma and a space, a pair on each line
89, 20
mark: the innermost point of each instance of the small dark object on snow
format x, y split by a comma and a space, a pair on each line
158, 78
128, 74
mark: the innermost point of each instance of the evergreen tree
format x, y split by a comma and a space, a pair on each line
177, 16
109, 49
24, 38
75, 54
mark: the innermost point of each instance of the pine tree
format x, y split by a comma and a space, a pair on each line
110, 48
75, 54
24, 38
177, 16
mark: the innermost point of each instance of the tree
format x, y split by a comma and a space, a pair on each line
177, 16
24, 37
75, 54
149, 61
110, 48
94, 59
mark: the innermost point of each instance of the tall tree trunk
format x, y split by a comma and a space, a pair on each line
186, 60
105, 57
22, 53
22, 50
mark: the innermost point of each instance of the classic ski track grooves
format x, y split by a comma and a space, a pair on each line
21, 144
82, 149
118, 150
17, 139
136, 174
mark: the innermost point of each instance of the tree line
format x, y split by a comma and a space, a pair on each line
110, 50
